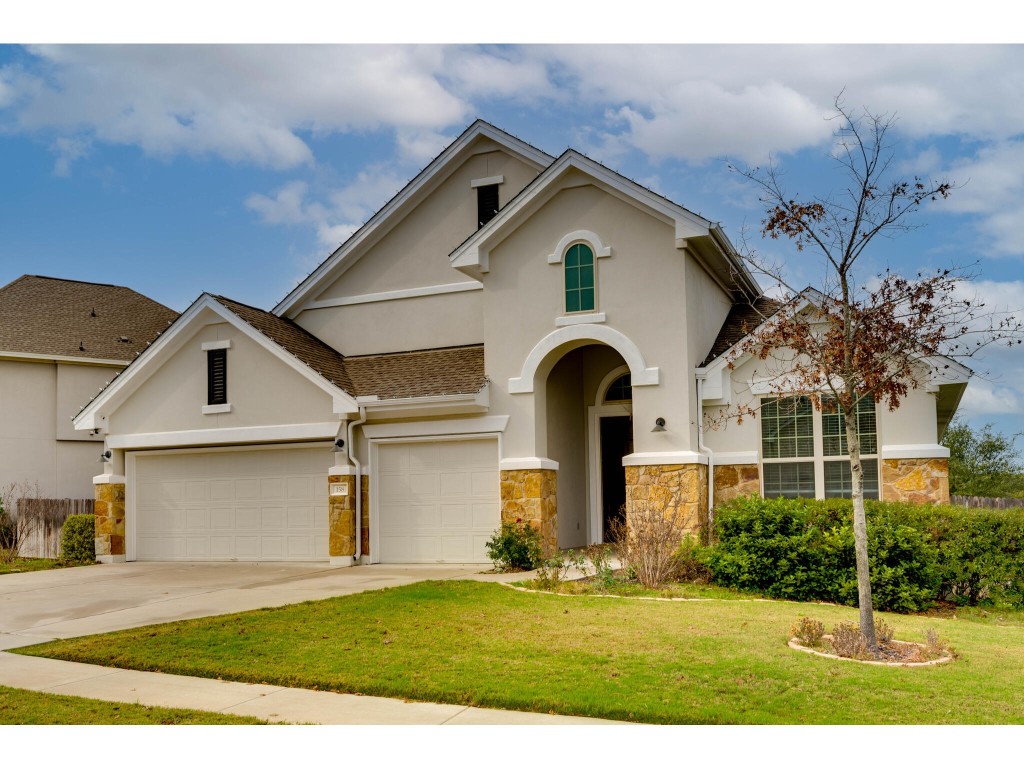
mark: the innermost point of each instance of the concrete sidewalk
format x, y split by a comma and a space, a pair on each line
267, 702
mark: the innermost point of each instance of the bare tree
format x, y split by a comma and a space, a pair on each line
849, 338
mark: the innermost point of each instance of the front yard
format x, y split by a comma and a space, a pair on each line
20, 707
26, 564
649, 661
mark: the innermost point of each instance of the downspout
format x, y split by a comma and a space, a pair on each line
701, 448
358, 482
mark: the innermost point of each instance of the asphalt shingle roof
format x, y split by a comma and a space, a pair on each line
741, 320
417, 373
69, 318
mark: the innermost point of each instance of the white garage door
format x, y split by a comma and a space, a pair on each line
437, 502
245, 505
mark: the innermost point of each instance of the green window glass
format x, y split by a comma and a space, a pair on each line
787, 428
833, 427
579, 279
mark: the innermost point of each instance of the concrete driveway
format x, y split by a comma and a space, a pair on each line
45, 605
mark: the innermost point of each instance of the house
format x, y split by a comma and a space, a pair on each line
512, 336
60, 342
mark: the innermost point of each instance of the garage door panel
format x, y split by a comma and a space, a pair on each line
232, 505
437, 501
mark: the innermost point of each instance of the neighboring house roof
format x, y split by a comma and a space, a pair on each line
410, 194
741, 320
50, 317
420, 373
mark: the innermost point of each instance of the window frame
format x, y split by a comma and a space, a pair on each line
213, 398
818, 457
580, 289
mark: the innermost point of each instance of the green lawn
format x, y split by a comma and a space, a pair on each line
19, 707
650, 661
26, 564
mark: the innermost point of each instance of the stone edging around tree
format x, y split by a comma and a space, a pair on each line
796, 646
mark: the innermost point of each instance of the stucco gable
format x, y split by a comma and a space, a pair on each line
342, 259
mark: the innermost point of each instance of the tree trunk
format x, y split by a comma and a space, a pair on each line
860, 533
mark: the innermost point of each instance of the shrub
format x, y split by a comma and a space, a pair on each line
647, 544
849, 642
8, 534
515, 547
802, 549
690, 564
78, 539
808, 631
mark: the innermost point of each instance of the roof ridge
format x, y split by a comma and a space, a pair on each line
415, 351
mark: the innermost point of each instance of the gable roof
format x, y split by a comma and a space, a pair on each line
55, 318
351, 249
741, 320
419, 373
471, 256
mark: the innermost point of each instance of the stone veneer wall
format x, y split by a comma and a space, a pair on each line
109, 511
916, 480
531, 495
342, 515
733, 480
668, 488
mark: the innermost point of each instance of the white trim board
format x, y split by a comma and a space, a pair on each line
233, 436
528, 462
923, 451
663, 457
32, 357
402, 293
438, 428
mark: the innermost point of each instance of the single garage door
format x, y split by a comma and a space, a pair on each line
248, 505
438, 501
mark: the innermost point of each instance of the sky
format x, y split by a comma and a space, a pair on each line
237, 169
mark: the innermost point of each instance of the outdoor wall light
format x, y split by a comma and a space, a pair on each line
105, 456
339, 446
659, 425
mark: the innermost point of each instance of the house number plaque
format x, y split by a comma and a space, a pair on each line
339, 489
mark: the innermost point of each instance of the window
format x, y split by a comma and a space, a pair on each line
486, 203
579, 279
217, 377
619, 390
804, 452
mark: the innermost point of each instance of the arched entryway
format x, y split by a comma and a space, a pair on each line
589, 430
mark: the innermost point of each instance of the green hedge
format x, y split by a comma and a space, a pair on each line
78, 539
802, 549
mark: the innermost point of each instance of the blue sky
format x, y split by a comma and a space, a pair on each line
237, 169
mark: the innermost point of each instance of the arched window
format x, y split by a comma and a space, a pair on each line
579, 278
619, 390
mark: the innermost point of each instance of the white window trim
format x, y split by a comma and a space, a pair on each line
487, 181
576, 318
601, 251
219, 408
819, 458
223, 344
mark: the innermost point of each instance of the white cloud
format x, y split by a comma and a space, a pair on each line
338, 213
242, 103
67, 151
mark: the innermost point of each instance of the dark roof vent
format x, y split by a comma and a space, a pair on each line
124, 340
81, 346
93, 313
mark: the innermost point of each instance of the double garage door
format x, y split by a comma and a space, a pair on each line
436, 501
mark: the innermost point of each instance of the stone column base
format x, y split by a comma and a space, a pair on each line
919, 481
530, 495
677, 492
341, 544
109, 512
735, 480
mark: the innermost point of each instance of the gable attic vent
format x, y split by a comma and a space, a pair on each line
486, 203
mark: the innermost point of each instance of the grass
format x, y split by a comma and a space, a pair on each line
27, 564
20, 707
619, 588
647, 661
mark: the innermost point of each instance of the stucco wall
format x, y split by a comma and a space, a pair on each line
524, 295
567, 442
37, 444
414, 254
422, 322
262, 390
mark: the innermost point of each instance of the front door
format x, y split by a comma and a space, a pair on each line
616, 442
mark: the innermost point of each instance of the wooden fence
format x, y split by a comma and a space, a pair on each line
40, 522
984, 502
